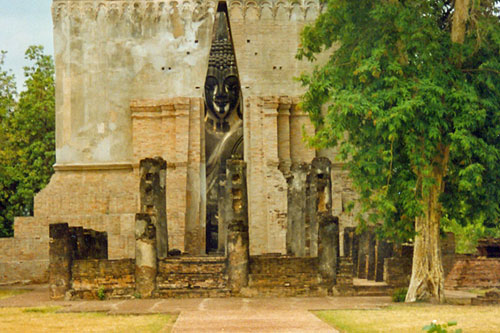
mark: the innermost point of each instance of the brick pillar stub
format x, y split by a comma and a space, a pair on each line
60, 260
145, 255
328, 248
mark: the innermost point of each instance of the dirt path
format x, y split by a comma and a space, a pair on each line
291, 314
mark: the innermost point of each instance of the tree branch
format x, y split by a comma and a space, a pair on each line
472, 70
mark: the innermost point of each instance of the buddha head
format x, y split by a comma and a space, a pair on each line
222, 87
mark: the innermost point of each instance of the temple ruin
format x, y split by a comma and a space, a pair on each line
181, 165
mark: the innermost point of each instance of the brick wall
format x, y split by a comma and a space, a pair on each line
115, 277
192, 273
470, 272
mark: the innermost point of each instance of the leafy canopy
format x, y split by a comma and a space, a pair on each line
27, 128
396, 93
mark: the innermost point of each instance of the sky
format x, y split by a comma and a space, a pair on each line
24, 23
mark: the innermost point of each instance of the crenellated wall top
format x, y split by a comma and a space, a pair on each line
195, 9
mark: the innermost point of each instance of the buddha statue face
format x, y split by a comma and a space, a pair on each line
222, 87
222, 94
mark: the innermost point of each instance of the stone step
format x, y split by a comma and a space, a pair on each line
286, 280
373, 290
192, 293
280, 291
199, 280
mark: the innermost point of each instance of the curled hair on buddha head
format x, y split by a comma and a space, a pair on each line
222, 87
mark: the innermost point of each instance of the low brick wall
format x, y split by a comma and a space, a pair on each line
470, 272
192, 273
282, 264
24, 260
116, 278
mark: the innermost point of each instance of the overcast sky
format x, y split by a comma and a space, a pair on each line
24, 23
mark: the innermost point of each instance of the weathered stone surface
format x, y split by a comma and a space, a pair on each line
296, 229
383, 250
140, 96
237, 255
280, 276
397, 271
61, 256
344, 285
146, 252
328, 248
471, 272
371, 257
363, 250
113, 278
153, 199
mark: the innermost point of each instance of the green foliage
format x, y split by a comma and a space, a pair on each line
467, 236
396, 93
27, 133
434, 327
101, 293
399, 295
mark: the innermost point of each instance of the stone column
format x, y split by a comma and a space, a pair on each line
384, 250
328, 249
145, 255
319, 199
60, 260
153, 198
370, 269
238, 255
237, 233
296, 231
355, 253
362, 254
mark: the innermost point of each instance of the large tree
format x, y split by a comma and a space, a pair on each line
411, 95
27, 128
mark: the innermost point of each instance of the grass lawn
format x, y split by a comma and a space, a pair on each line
5, 293
412, 317
47, 319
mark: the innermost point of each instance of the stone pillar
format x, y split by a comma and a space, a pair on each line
145, 255
237, 233
60, 260
364, 240
384, 250
370, 266
296, 232
238, 255
328, 249
153, 198
355, 253
319, 199
348, 238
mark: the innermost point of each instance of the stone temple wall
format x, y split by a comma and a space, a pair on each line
130, 80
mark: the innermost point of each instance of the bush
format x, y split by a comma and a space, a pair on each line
399, 295
434, 327
101, 294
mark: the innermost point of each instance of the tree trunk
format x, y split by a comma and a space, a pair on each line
427, 278
460, 17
